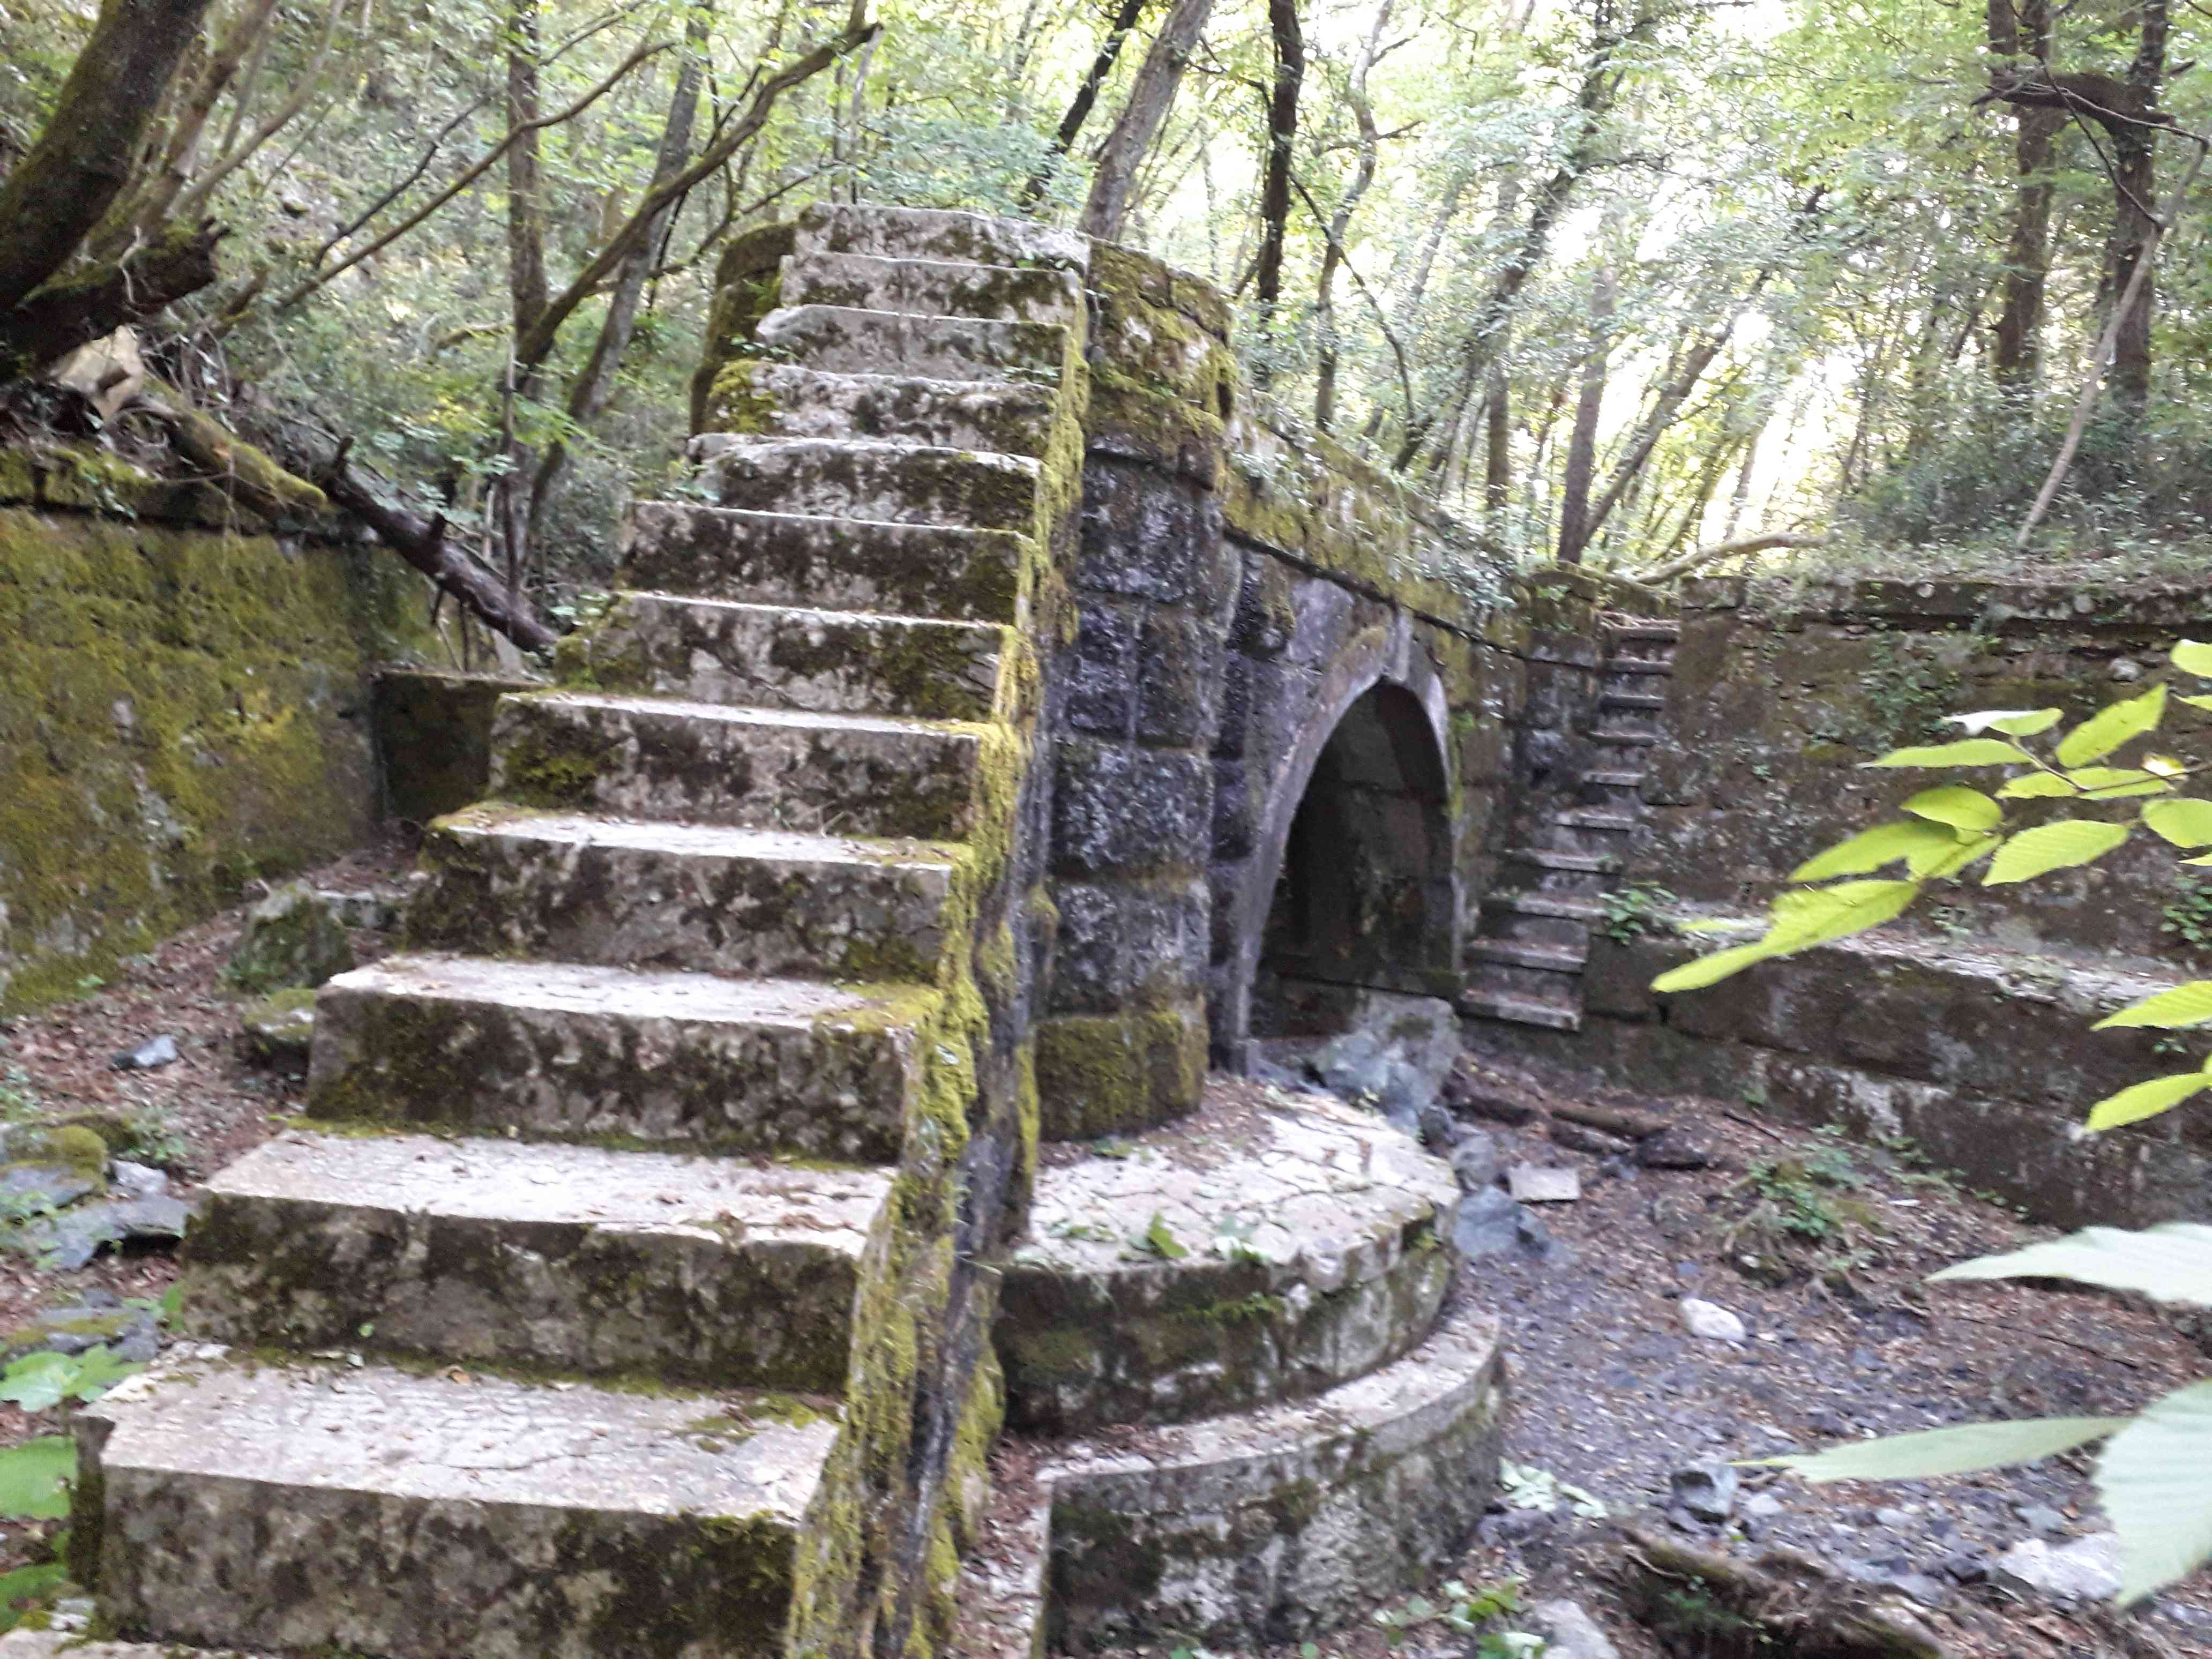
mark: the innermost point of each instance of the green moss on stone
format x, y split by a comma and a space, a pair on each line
1108, 1073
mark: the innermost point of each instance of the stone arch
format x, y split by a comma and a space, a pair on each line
1356, 829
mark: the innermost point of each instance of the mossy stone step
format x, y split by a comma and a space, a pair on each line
768, 399
878, 482
718, 1272
1264, 1248
559, 1051
782, 657
700, 898
1267, 1527
762, 768
829, 564
225, 1501
932, 288
847, 340
939, 233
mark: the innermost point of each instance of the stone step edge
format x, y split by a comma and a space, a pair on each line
1005, 1583
1521, 1010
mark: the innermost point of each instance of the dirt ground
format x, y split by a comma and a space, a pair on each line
1820, 1245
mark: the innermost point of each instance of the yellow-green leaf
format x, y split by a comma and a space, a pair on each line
2198, 703
1830, 912
2147, 1099
1960, 1450
1957, 805
1966, 751
2116, 782
2193, 657
2184, 1004
2018, 722
1948, 861
1870, 849
2036, 785
2112, 726
1711, 970
2152, 1479
2185, 823
2055, 846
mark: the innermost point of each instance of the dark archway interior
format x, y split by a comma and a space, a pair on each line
1365, 894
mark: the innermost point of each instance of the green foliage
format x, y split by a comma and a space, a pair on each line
1466, 1611
1631, 913
35, 1478
2189, 917
39, 1382
2152, 1473
1527, 1487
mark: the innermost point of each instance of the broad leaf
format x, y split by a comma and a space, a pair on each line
2168, 1263
1938, 863
2057, 846
2196, 702
2035, 785
2110, 727
35, 1478
2169, 1011
2186, 822
1870, 849
1833, 912
1967, 752
1954, 803
24, 1582
2193, 657
1959, 1450
2151, 1478
2017, 722
2147, 1099
1711, 970
2116, 782
39, 1382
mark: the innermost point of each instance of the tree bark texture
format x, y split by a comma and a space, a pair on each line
85, 306
1131, 137
1575, 525
1086, 98
1282, 137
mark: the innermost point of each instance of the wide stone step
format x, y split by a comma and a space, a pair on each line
1638, 669
779, 657
228, 1501
784, 400
1267, 1527
845, 340
509, 881
939, 233
671, 761
1520, 1011
1539, 919
829, 564
1623, 741
1519, 984
559, 1051
1654, 629
719, 1272
1649, 702
1260, 1249
933, 287
880, 482
1517, 953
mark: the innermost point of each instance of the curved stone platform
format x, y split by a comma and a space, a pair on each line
1268, 1247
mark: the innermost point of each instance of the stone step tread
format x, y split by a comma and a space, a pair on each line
699, 841
1631, 739
939, 233
944, 571
1582, 817
1545, 858
1644, 627
768, 612
372, 1509
1637, 665
929, 287
856, 339
1613, 777
1631, 700
807, 720
1315, 1220
786, 400
1546, 904
873, 481
491, 1179
1521, 1010
1559, 959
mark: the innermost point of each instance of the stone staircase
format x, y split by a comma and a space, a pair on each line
1525, 965
669, 1236
618, 1297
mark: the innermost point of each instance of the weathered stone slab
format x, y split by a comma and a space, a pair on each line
844, 341
879, 482
940, 233
691, 897
1264, 1527
832, 564
718, 1272
560, 1051
372, 1510
933, 287
53, 1643
1243, 1255
772, 399
776, 657
671, 762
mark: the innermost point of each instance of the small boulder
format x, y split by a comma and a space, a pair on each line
1569, 1631
1711, 1322
1533, 1183
294, 936
1489, 1222
2087, 1570
1706, 1490
280, 1027
1672, 1148
1476, 1161
1581, 1137
58, 1164
149, 1055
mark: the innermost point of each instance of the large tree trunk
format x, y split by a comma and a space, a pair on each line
57, 195
1086, 97
1575, 525
1325, 332
1497, 456
526, 186
1282, 138
2018, 355
1131, 137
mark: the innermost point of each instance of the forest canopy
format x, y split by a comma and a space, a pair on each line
1634, 281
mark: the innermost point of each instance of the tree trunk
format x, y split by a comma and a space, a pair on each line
2019, 348
57, 194
1138, 124
1497, 458
84, 306
1363, 110
1282, 137
526, 186
1575, 525
1086, 97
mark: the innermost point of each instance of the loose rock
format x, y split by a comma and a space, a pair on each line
1489, 1221
1711, 1320
294, 936
1581, 1137
1476, 1162
1673, 1150
280, 1027
1706, 1490
1569, 1631
2087, 1570
149, 1055
1532, 1184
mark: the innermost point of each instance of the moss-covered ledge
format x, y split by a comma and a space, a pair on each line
183, 707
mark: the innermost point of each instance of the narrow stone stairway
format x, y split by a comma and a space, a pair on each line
1525, 965
592, 1313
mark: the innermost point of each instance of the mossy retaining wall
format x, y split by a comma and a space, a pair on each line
184, 706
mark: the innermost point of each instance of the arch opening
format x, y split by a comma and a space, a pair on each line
1364, 898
